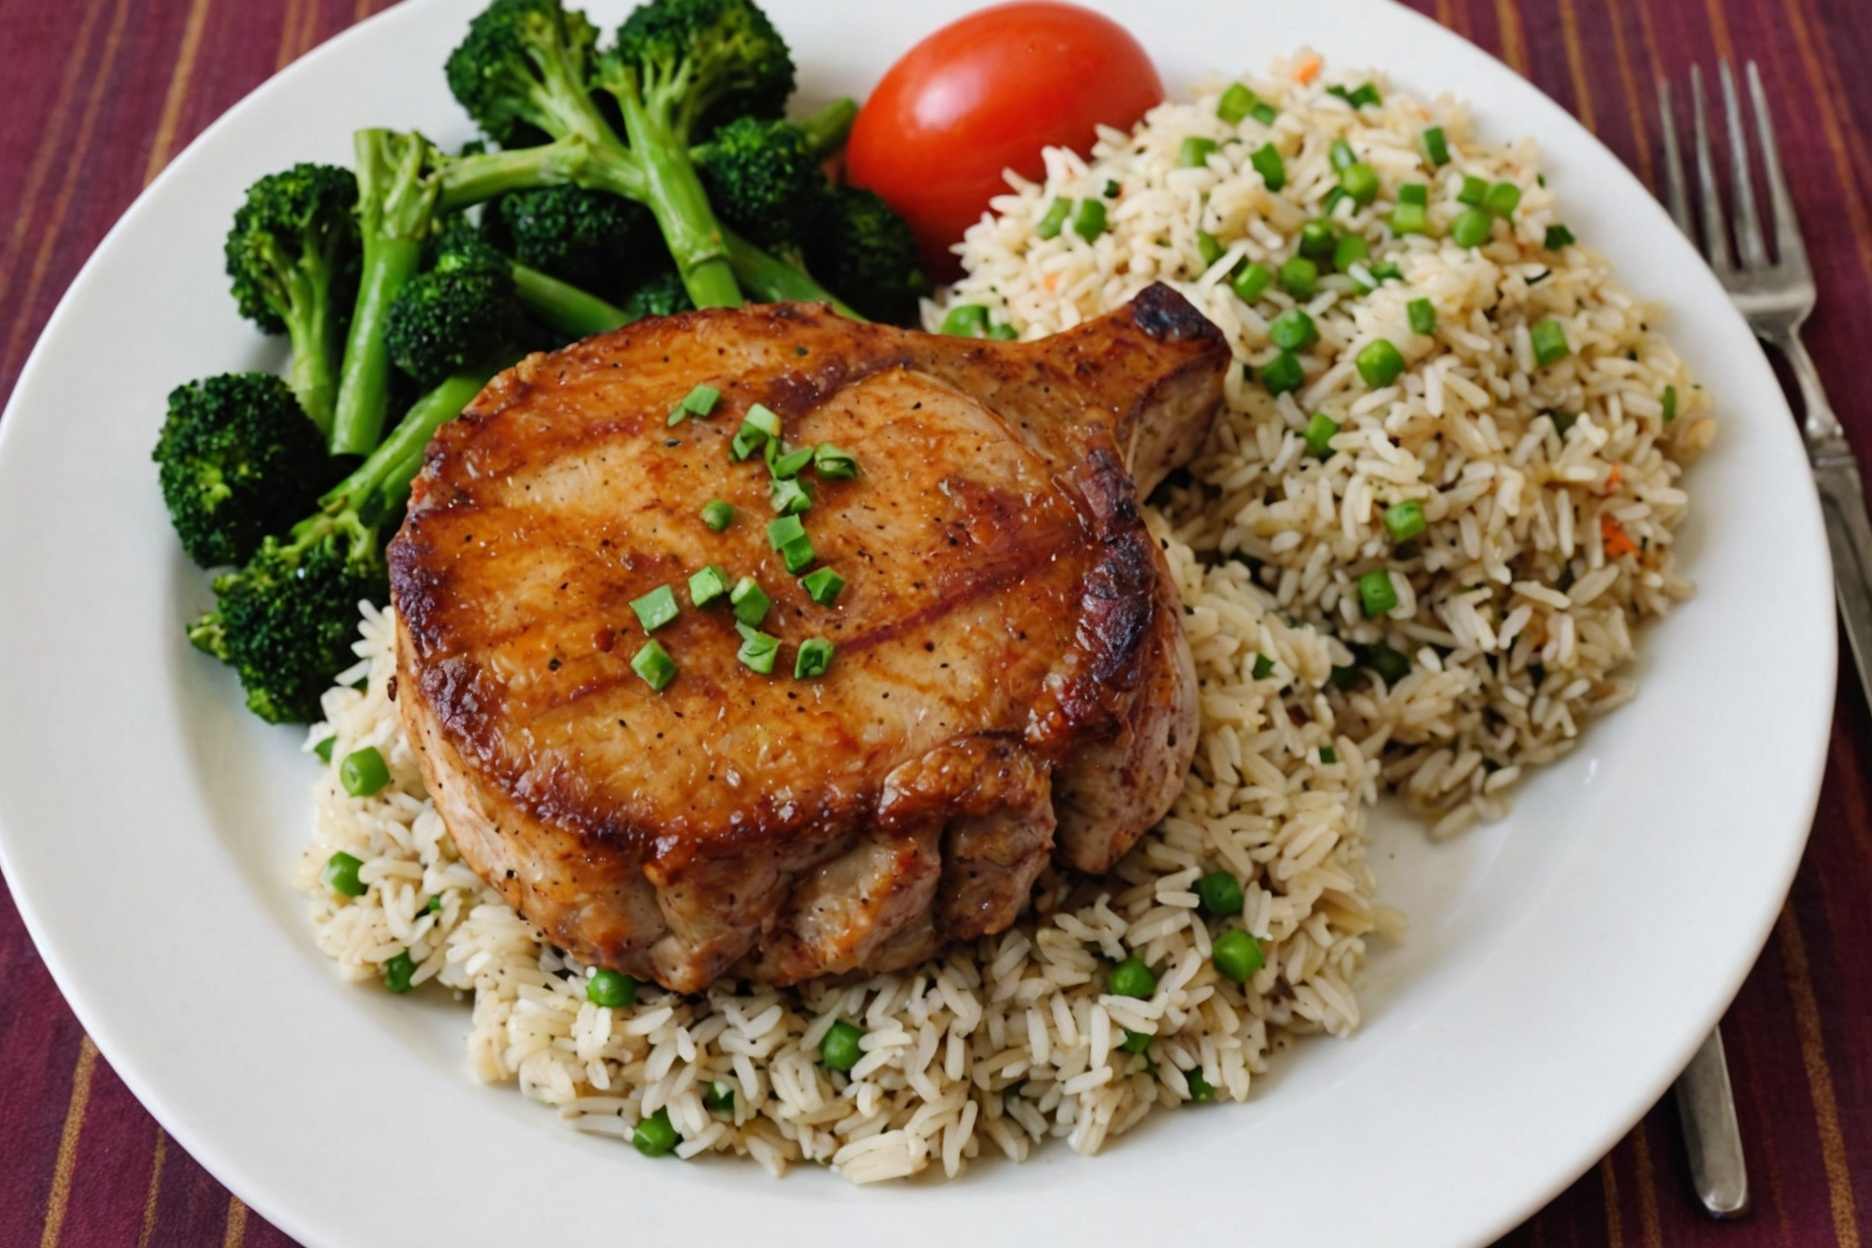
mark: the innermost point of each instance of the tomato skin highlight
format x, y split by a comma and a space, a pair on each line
984, 94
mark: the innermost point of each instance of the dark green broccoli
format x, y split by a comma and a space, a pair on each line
760, 175
237, 460
443, 321
856, 245
286, 619
292, 255
558, 306
660, 294
692, 65
592, 239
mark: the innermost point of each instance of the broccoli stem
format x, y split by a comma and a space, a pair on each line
826, 129
563, 306
312, 372
672, 190
471, 179
772, 280
383, 479
396, 202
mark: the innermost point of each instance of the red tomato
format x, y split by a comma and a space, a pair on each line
985, 94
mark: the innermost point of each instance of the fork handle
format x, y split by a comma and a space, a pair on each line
1706, 1108
1842, 504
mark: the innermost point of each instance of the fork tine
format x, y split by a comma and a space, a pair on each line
1673, 164
1788, 246
1715, 229
1749, 245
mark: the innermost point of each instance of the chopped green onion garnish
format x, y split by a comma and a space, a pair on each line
341, 874
749, 601
1422, 314
1413, 193
1251, 281
1208, 247
1557, 237
966, 320
745, 442
834, 464
784, 530
788, 463
1349, 250
758, 650
1404, 520
813, 658
1317, 239
1268, 163
363, 772
1299, 277
1053, 219
822, 585
324, 748
790, 497
1088, 220
1366, 94
656, 608
1328, 755
717, 514
1379, 363
1409, 218
1002, 333
652, 662
1195, 152
1386, 271
1670, 413
1235, 103
1377, 594
1136, 1041
1283, 373
1360, 181
1220, 894
1473, 191
1293, 330
611, 989
706, 584
1264, 112
797, 554
1200, 1089
1391, 665
718, 1097
1436, 145
434, 905
1341, 155
1333, 199
1319, 433
398, 971
1263, 667
698, 402
1549, 340
763, 418
1502, 199
1238, 955
1471, 228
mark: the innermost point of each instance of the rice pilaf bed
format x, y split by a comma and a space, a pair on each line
1548, 496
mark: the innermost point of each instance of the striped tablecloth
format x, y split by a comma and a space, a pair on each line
100, 94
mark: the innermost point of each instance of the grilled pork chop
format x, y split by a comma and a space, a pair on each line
1010, 684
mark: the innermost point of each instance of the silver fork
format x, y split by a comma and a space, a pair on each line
1775, 296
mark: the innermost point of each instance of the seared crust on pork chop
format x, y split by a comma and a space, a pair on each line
1010, 683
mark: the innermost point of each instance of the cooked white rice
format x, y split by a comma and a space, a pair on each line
1515, 615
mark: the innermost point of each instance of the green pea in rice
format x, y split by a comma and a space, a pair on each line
1516, 618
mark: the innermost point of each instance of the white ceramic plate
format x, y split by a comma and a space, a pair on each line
1560, 966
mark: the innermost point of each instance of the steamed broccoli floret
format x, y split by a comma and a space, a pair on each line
760, 174
292, 255
285, 620
557, 305
695, 64
525, 69
237, 460
586, 237
444, 321
856, 245
661, 294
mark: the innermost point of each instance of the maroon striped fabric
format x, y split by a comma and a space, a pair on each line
101, 93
